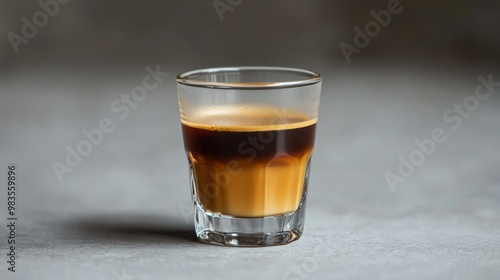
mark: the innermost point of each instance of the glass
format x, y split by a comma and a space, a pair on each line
249, 135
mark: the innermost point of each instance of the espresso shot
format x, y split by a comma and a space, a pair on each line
248, 161
249, 135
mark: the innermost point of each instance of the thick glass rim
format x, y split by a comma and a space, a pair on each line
189, 78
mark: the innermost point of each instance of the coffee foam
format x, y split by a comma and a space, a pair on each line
247, 118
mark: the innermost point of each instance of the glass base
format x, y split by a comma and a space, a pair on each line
250, 232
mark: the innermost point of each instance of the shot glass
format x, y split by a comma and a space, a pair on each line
249, 135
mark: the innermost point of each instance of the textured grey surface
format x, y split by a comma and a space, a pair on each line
120, 213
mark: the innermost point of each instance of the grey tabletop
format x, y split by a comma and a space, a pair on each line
405, 182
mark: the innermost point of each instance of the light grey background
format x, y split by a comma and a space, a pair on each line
121, 214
